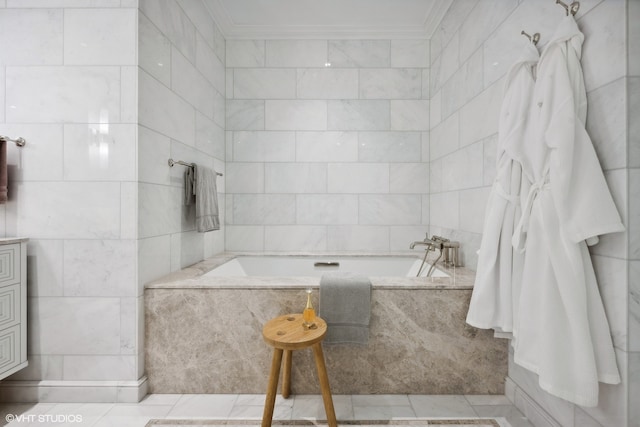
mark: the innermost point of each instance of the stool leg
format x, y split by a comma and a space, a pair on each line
324, 385
272, 388
286, 374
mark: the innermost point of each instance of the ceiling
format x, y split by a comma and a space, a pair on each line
327, 19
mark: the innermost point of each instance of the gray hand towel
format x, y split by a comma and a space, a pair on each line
201, 183
345, 304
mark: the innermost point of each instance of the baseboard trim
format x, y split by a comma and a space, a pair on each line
73, 391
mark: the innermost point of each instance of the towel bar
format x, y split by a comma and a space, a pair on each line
189, 165
20, 142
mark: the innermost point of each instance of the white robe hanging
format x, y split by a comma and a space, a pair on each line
563, 333
499, 270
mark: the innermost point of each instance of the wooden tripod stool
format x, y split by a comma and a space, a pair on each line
285, 334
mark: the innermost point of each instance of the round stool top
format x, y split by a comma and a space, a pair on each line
286, 332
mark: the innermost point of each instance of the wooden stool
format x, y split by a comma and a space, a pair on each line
285, 334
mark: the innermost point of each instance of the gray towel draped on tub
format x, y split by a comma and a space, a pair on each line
200, 186
345, 304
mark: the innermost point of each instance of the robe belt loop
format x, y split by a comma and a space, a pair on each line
499, 189
518, 239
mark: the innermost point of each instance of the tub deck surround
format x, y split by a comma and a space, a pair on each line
203, 335
194, 275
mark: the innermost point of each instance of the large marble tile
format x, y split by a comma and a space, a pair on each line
634, 306
329, 209
326, 146
444, 138
264, 83
244, 238
295, 178
410, 53
99, 268
191, 85
269, 146
154, 50
108, 368
40, 368
43, 160
400, 237
245, 115
633, 38
74, 325
449, 25
633, 97
169, 17
129, 94
327, 83
358, 178
359, 115
211, 67
311, 407
481, 22
445, 65
306, 238
356, 237
100, 152
410, 178
472, 206
164, 111
31, 37
210, 138
84, 210
604, 21
360, 53
245, 53
45, 267
254, 209
199, 15
296, 53
389, 146
409, 115
245, 177
295, 115
614, 289
390, 83
441, 406
633, 205
445, 210
100, 36
154, 255
606, 117
49, 4
389, 209
160, 210
203, 406
479, 117
464, 85
126, 415
154, 151
63, 94
463, 168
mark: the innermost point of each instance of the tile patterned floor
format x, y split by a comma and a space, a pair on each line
234, 406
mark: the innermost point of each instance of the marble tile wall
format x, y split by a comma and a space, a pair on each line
470, 53
326, 158
182, 116
69, 75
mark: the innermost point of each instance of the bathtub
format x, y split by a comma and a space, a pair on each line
316, 266
203, 328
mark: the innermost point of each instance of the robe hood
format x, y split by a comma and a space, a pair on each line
568, 31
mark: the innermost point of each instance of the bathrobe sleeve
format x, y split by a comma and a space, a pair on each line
580, 192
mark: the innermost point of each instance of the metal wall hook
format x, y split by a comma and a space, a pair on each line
573, 7
533, 39
20, 141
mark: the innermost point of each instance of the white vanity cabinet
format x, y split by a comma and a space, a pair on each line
13, 305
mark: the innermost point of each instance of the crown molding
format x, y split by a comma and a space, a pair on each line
232, 31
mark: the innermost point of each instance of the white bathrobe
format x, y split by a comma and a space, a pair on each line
499, 270
563, 333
